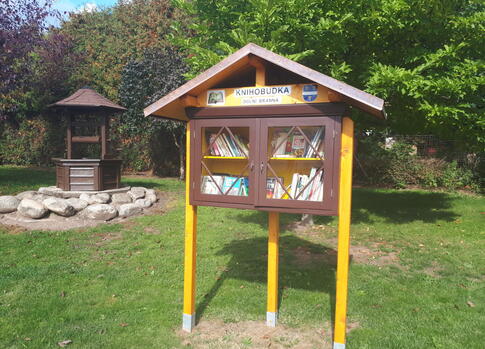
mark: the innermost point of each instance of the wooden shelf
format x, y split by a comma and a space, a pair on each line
86, 139
226, 157
299, 159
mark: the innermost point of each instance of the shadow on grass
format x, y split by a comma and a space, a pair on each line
303, 265
371, 205
401, 207
146, 184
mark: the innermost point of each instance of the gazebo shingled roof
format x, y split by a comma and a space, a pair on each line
88, 98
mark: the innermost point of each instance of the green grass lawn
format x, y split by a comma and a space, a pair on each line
417, 282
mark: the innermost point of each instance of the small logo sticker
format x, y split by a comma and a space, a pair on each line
216, 97
310, 92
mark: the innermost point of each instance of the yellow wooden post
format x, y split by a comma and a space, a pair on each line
190, 248
273, 259
344, 205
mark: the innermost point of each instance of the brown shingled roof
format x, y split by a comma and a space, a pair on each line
88, 98
171, 107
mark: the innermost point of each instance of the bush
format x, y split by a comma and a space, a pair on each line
399, 167
33, 142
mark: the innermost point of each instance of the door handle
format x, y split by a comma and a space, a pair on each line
251, 166
261, 167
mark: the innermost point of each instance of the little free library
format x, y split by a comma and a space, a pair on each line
267, 133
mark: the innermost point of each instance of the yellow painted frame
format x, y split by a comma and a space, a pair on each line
273, 264
190, 247
343, 244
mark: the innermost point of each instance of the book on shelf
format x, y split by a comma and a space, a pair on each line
297, 146
227, 146
209, 186
307, 191
274, 190
279, 144
229, 185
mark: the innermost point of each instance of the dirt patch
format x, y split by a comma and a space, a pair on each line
58, 223
216, 334
13, 229
372, 255
304, 256
433, 270
104, 238
151, 231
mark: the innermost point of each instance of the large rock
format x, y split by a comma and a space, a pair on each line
8, 203
102, 212
143, 203
59, 206
121, 198
127, 210
32, 209
51, 191
87, 197
151, 196
39, 197
29, 194
101, 198
137, 193
78, 204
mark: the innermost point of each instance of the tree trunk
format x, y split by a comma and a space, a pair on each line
306, 219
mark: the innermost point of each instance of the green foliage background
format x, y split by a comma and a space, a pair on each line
425, 58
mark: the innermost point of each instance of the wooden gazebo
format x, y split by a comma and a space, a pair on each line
87, 114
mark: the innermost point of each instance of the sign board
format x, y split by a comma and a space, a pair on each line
264, 95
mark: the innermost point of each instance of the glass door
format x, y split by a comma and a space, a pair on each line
224, 161
294, 162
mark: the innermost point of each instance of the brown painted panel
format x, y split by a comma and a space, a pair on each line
82, 171
320, 212
258, 141
82, 180
82, 187
271, 111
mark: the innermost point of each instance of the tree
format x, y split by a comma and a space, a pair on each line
143, 81
108, 38
425, 58
120, 47
22, 29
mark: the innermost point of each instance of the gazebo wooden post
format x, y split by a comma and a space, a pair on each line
104, 135
69, 135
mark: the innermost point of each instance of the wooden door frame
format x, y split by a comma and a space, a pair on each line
197, 156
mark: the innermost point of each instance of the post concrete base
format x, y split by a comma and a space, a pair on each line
271, 319
338, 345
188, 322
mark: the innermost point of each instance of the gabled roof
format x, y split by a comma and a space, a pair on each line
171, 106
88, 98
